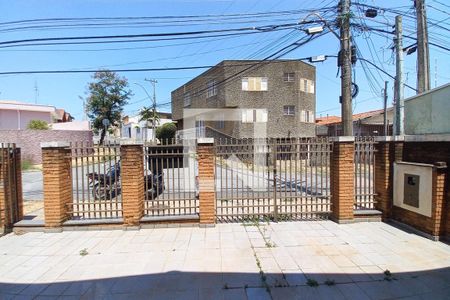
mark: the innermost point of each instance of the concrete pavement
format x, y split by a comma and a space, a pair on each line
231, 261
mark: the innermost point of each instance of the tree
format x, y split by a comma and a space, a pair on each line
38, 125
166, 132
108, 94
149, 115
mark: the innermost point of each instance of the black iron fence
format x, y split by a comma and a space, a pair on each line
364, 173
96, 181
272, 178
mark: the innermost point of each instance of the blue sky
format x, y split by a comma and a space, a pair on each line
63, 90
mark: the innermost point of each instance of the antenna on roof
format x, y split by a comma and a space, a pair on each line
36, 92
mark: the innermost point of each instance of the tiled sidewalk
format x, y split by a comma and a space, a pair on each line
231, 261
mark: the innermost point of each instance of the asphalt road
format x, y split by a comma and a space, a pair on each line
228, 181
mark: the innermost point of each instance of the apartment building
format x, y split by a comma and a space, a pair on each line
244, 98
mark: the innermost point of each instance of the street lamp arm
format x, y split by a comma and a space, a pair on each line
323, 21
144, 90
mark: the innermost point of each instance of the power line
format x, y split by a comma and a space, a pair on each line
118, 70
166, 34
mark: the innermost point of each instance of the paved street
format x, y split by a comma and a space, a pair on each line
231, 261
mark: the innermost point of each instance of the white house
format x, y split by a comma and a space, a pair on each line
137, 130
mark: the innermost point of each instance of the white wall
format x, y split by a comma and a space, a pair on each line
428, 113
74, 125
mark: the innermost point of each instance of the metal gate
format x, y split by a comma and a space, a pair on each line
280, 179
364, 173
10, 208
170, 170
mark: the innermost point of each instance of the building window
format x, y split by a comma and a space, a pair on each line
212, 88
307, 85
254, 116
220, 124
187, 99
289, 77
289, 110
307, 116
254, 84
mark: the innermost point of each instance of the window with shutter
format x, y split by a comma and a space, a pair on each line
307, 85
254, 84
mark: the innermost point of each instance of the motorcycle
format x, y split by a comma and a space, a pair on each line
107, 185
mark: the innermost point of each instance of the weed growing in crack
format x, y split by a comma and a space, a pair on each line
388, 276
312, 282
330, 282
84, 252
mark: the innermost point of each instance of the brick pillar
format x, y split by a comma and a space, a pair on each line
384, 162
398, 148
438, 213
132, 175
207, 192
342, 179
4, 191
56, 170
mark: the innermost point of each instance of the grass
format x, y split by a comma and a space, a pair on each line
27, 165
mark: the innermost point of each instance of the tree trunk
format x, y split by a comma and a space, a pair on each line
102, 136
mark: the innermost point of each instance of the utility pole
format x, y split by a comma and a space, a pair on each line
386, 131
346, 69
399, 84
423, 54
153, 82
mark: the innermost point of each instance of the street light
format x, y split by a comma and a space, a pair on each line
314, 30
318, 29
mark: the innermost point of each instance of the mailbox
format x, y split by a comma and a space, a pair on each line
413, 187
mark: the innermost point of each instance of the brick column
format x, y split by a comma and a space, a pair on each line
207, 192
342, 179
56, 170
384, 161
132, 176
438, 213
4, 191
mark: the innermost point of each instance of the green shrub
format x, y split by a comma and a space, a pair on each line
166, 132
38, 125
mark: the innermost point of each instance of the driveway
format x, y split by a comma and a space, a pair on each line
290, 260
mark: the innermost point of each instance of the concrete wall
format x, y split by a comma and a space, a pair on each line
428, 112
74, 125
16, 119
29, 140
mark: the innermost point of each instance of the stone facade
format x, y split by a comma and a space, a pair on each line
29, 140
228, 76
